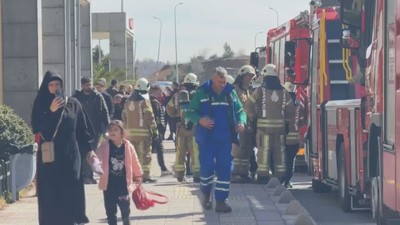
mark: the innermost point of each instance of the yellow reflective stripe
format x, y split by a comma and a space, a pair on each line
221, 189
138, 130
270, 121
252, 99
206, 184
223, 182
269, 125
207, 178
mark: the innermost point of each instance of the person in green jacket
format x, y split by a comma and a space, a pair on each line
219, 116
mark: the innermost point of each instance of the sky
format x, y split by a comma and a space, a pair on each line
203, 26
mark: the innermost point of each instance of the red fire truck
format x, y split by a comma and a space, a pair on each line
354, 145
288, 48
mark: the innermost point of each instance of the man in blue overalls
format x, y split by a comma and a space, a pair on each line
219, 115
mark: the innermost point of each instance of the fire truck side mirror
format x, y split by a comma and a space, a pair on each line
290, 54
254, 59
351, 11
349, 40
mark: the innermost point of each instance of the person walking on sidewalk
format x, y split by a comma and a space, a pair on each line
95, 106
271, 107
156, 143
139, 119
120, 165
62, 125
241, 153
292, 139
219, 115
185, 141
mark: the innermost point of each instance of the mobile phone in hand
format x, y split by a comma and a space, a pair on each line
59, 93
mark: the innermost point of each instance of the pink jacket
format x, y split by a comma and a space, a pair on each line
132, 165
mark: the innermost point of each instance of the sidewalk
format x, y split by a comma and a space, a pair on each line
252, 204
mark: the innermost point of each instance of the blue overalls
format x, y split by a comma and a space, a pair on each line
215, 145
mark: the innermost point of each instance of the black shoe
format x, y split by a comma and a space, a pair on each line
206, 203
196, 179
88, 180
253, 175
288, 185
236, 179
221, 206
93, 180
245, 178
126, 221
262, 180
181, 179
170, 138
149, 180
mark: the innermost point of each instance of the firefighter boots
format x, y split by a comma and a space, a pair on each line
223, 207
206, 203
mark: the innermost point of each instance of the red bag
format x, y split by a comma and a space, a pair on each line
143, 199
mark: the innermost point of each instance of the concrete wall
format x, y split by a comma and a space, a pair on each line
85, 39
113, 26
22, 59
66, 40
54, 46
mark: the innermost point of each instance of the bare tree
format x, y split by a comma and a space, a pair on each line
228, 52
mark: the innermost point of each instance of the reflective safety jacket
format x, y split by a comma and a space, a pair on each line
138, 118
296, 120
178, 105
225, 109
270, 108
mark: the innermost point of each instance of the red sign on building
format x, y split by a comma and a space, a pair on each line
130, 23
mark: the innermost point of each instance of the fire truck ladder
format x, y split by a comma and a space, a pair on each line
340, 72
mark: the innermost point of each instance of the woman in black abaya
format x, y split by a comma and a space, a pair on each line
61, 195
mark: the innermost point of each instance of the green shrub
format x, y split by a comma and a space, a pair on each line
14, 130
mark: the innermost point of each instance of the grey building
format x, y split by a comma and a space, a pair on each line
38, 35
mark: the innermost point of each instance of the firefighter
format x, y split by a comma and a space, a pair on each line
270, 105
292, 139
185, 141
140, 123
241, 153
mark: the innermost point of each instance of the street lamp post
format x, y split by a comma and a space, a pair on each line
255, 38
159, 43
176, 44
277, 16
122, 5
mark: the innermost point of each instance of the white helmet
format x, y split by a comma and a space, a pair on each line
269, 70
230, 79
142, 85
190, 78
246, 69
289, 87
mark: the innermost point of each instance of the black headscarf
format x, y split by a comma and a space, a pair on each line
43, 99
272, 83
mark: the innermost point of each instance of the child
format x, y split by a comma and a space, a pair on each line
120, 165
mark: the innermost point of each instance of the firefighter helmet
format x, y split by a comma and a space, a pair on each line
230, 79
190, 78
246, 69
269, 70
142, 85
289, 87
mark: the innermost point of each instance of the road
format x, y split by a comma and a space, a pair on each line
325, 208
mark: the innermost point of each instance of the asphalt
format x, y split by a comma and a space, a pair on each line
252, 204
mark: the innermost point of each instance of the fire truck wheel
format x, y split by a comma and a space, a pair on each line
376, 201
307, 157
344, 196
